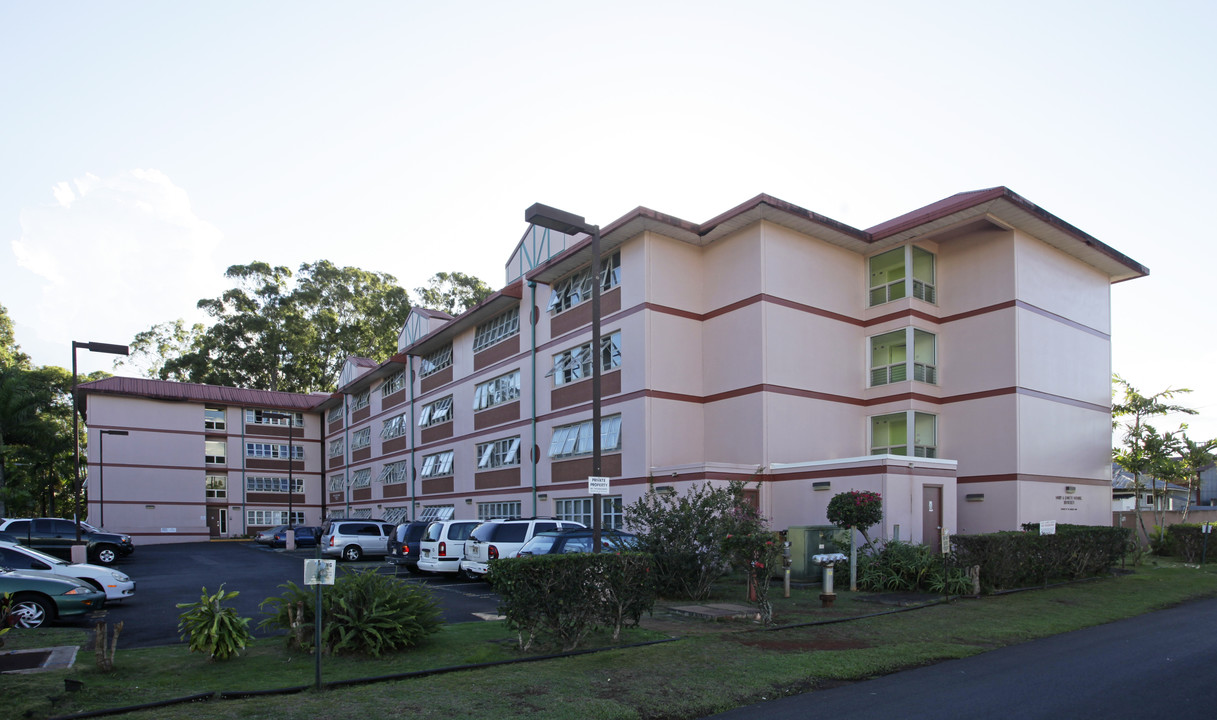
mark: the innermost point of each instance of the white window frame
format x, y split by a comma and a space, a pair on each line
576, 363
498, 453
394, 473
216, 486
361, 401
361, 478
497, 329
492, 510
914, 366
257, 416
396, 514
580, 509
393, 383
437, 465
334, 415
361, 438
273, 451
436, 413
575, 440
395, 427
920, 435
209, 455
576, 289
436, 361
337, 447
437, 512
272, 518
913, 271
272, 484
338, 482
500, 390
214, 418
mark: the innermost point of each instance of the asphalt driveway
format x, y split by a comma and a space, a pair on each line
169, 574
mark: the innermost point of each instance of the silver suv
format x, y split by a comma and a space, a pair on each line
496, 539
351, 539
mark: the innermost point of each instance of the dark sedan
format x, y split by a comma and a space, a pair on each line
306, 536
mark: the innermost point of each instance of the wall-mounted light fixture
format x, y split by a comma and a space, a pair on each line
468, 501
1071, 489
665, 490
543, 496
822, 485
974, 497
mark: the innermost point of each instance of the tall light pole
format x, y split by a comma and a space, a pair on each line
101, 474
569, 224
91, 347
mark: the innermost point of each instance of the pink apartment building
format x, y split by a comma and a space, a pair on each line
956, 359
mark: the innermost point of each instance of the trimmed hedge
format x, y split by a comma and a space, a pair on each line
1187, 541
559, 599
1011, 560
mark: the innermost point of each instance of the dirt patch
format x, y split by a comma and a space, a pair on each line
781, 644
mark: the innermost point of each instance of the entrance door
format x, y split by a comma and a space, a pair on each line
931, 517
215, 520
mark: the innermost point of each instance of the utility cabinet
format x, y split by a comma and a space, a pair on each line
807, 541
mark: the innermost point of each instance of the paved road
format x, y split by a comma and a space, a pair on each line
169, 574
1156, 666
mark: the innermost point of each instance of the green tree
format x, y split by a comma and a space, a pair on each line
153, 348
273, 331
10, 351
1144, 450
453, 293
1194, 457
857, 509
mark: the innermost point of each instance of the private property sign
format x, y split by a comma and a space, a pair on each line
597, 485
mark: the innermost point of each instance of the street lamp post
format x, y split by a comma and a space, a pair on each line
91, 347
569, 224
101, 474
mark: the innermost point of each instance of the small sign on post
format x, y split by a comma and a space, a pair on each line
598, 485
319, 572
1048, 527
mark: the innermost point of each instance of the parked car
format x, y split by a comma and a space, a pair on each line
38, 599
403, 546
576, 541
306, 536
56, 536
496, 539
267, 536
443, 546
351, 539
116, 585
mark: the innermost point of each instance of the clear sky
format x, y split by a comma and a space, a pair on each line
146, 146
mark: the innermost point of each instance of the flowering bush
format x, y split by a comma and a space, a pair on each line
758, 553
857, 509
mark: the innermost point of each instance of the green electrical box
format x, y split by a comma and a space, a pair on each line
807, 541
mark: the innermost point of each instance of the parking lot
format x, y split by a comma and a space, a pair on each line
169, 574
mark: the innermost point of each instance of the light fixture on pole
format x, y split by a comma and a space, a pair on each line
91, 347
569, 224
101, 474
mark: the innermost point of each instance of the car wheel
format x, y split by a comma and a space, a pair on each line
107, 554
32, 611
413, 569
351, 553
466, 575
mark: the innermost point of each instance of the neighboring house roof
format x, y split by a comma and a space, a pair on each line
1121, 479
199, 393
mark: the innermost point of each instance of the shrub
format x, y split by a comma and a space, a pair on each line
1186, 540
860, 509
685, 534
213, 628
1010, 560
362, 613
758, 554
559, 599
905, 567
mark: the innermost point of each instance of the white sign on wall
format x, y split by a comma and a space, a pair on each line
597, 485
1048, 527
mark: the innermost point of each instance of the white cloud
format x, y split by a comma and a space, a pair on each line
113, 256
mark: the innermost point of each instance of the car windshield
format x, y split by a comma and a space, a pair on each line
42, 556
539, 545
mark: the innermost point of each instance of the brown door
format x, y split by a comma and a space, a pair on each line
214, 520
931, 517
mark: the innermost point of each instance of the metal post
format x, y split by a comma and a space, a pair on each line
75, 442
597, 501
317, 622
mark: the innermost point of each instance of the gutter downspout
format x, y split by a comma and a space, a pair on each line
413, 444
346, 461
244, 509
532, 354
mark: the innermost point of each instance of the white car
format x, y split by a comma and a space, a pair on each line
494, 539
443, 545
116, 585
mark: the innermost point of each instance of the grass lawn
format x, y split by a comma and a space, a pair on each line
712, 666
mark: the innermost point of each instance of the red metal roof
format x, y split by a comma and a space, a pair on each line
194, 392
